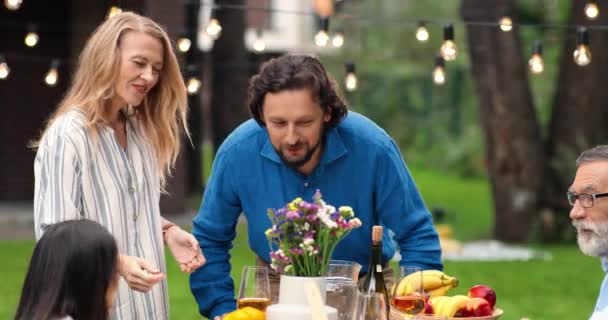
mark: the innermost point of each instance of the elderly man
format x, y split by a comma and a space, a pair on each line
589, 213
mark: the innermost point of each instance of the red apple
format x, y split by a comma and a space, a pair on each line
475, 307
485, 292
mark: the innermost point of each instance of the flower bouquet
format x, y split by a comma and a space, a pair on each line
306, 235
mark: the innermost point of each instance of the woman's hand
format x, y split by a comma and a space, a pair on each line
139, 274
185, 249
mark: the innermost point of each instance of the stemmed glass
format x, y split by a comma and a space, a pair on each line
370, 306
255, 288
408, 296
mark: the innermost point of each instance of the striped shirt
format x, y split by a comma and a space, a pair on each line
82, 177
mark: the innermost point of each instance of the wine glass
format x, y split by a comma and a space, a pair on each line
370, 306
407, 295
255, 288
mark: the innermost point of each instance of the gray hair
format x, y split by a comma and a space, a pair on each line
599, 153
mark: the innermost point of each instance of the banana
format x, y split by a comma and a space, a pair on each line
441, 291
438, 303
451, 305
431, 280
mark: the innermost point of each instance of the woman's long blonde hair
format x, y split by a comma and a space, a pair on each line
162, 113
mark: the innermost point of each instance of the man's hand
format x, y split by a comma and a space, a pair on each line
185, 249
139, 274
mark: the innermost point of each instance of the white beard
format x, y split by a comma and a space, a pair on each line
593, 244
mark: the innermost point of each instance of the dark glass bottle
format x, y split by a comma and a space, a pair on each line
374, 278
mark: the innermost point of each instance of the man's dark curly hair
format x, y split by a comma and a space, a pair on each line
292, 72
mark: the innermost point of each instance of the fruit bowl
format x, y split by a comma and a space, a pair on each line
495, 315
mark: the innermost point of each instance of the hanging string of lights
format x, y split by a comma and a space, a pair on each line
324, 10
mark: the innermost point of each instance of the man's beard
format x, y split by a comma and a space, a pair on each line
593, 243
298, 163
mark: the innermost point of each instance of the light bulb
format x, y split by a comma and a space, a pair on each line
506, 24
321, 38
183, 44
350, 82
422, 34
536, 63
214, 28
439, 75
4, 70
582, 54
51, 77
338, 40
114, 10
31, 39
591, 10
259, 45
194, 85
13, 4
439, 71
448, 50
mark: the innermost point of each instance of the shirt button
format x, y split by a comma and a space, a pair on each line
305, 184
131, 189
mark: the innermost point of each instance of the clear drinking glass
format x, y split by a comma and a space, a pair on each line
408, 296
255, 288
341, 287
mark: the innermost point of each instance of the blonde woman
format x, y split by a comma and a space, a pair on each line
106, 151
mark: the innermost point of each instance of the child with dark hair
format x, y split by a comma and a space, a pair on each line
72, 274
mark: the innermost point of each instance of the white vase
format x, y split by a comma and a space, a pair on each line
293, 302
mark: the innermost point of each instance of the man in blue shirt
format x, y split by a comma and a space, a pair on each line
589, 213
302, 138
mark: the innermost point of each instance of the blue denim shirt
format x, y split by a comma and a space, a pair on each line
360, 166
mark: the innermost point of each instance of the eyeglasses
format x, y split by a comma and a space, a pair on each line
586, 200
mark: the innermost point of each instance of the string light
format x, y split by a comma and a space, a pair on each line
506, 24
31, 38
591, 10
321, 38
114, 10
214, 28
13, 4
194, 85
582, 54
4, 69
422, 34
439, 71
536, 63
350, 80
448, 48
259, 45
338, 39
183, 43
53, 75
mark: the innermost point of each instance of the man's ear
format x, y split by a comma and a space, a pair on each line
327, 117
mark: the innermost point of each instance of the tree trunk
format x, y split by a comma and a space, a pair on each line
230, 72
579, 116
513, 144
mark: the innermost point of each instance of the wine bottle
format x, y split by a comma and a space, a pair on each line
374, 278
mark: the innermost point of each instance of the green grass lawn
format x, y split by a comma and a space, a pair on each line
564, 288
